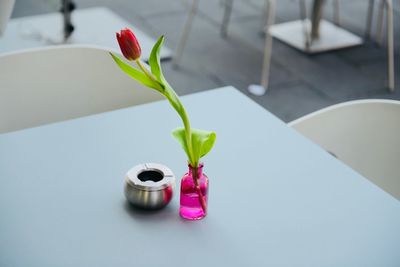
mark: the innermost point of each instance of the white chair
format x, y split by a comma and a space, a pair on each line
364, 134
52, 84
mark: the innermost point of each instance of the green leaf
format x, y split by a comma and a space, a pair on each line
179, 134
135, 73
202, 143
154, 61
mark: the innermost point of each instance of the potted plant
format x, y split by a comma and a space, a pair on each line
195, 142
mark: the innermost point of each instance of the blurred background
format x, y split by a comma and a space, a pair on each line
299, 82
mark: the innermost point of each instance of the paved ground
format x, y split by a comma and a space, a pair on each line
299, 83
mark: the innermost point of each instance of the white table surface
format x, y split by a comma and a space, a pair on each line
275, 198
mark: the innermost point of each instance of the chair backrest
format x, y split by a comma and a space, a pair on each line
52, 84
364, 134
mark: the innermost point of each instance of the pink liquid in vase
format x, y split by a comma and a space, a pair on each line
194, 194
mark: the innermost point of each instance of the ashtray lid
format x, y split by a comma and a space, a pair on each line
150, 177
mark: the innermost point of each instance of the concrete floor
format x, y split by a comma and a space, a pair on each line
299, 83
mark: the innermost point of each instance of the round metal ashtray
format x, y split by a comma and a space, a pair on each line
149, 185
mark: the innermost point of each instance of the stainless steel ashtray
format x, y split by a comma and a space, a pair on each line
149, 185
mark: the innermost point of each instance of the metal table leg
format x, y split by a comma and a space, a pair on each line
316, 18
369, 19
261, 89
379, 27
336, 12
390, 44
185, 34
228, 5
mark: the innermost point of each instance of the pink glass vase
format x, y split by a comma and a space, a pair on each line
194, 194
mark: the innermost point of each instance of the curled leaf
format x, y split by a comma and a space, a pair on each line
154, 61
135, 73
202, 143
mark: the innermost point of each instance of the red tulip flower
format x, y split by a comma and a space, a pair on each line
129, 45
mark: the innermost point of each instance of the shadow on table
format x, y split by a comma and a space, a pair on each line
160, 215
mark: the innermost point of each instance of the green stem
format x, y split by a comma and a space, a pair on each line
145, 70
176, 103
186, 123
188, 133
195, 175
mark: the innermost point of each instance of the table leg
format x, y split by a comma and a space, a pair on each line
228, 4
390, 45
379, 27
260, 89
336, 12
316, 18
370, 15
185, 34
268, 45
304, 20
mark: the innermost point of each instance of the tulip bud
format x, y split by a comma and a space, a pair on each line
129, 45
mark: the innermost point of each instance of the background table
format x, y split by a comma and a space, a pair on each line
45, 30
275, 198
314, 35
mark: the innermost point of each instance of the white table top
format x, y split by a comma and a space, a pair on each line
275, 198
